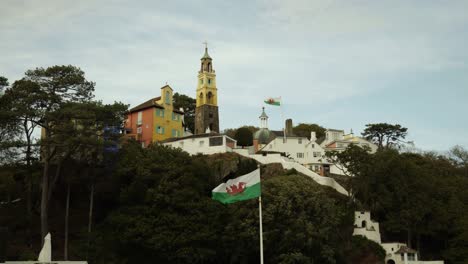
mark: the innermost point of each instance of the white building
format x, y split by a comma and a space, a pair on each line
337, 140
304, 151
396, 253
207, 144
364, 226
300, 149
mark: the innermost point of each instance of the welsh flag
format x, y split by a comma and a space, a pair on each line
239, 189
273, 101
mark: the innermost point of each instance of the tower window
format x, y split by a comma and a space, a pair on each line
210, 115
209, 81
209, 98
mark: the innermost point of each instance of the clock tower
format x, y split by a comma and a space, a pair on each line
206, 111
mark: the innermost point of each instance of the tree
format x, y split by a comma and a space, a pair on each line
303, 130
244, 137
50, 88
385, 135
460, 156
188, 104
3, 83
231, 132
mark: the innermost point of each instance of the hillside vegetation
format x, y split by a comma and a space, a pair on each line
154, 205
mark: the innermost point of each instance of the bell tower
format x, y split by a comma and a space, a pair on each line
206, 111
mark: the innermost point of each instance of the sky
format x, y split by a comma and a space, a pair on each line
339, 63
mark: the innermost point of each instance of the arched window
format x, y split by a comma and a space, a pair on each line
363, 224
201, 98
209, 98
390, 261
209, 67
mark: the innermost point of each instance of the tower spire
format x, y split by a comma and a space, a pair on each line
206, 56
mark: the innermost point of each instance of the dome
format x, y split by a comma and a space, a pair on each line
264, 136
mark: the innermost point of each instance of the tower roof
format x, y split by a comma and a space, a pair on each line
206, 56
263, 115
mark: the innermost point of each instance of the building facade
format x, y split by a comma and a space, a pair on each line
205, 144
155, 119
206, 111
337, 140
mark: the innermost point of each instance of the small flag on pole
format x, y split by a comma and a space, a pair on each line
273, 101
239, 189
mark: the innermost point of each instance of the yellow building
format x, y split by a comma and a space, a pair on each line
155, 119
206, 112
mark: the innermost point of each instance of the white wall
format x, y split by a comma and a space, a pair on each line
199, 145
289, 164
371, 229
294, 145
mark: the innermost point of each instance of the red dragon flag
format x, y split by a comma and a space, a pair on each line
239, 189
273, 101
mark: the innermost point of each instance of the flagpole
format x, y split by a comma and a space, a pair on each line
261, 225
282, 119
261, 229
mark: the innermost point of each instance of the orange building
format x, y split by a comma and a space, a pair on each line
155, 119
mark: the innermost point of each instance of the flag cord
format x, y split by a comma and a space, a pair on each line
261, 228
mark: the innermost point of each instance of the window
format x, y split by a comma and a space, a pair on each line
140, 118
160, 112
209, 81
316, 154
411, 257
160, 130
168, 97
201, 143
313, 145
216, 141
299, 141
175, 133
175, 117
139, 130
300, 155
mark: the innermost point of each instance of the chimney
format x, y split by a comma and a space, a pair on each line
313, 136
289, 127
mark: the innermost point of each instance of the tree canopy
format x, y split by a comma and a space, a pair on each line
385, 135
188, 104
244, 137
304, 129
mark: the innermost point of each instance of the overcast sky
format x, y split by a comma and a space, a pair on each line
339, 63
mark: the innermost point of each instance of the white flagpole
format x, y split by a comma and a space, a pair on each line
282, 119
261, 225
261, 228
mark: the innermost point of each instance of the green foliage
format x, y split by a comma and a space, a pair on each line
188, 104
231, 132
385, 135
303, 130
3, 83
417, 198
363, 250
165, 215
244, 137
